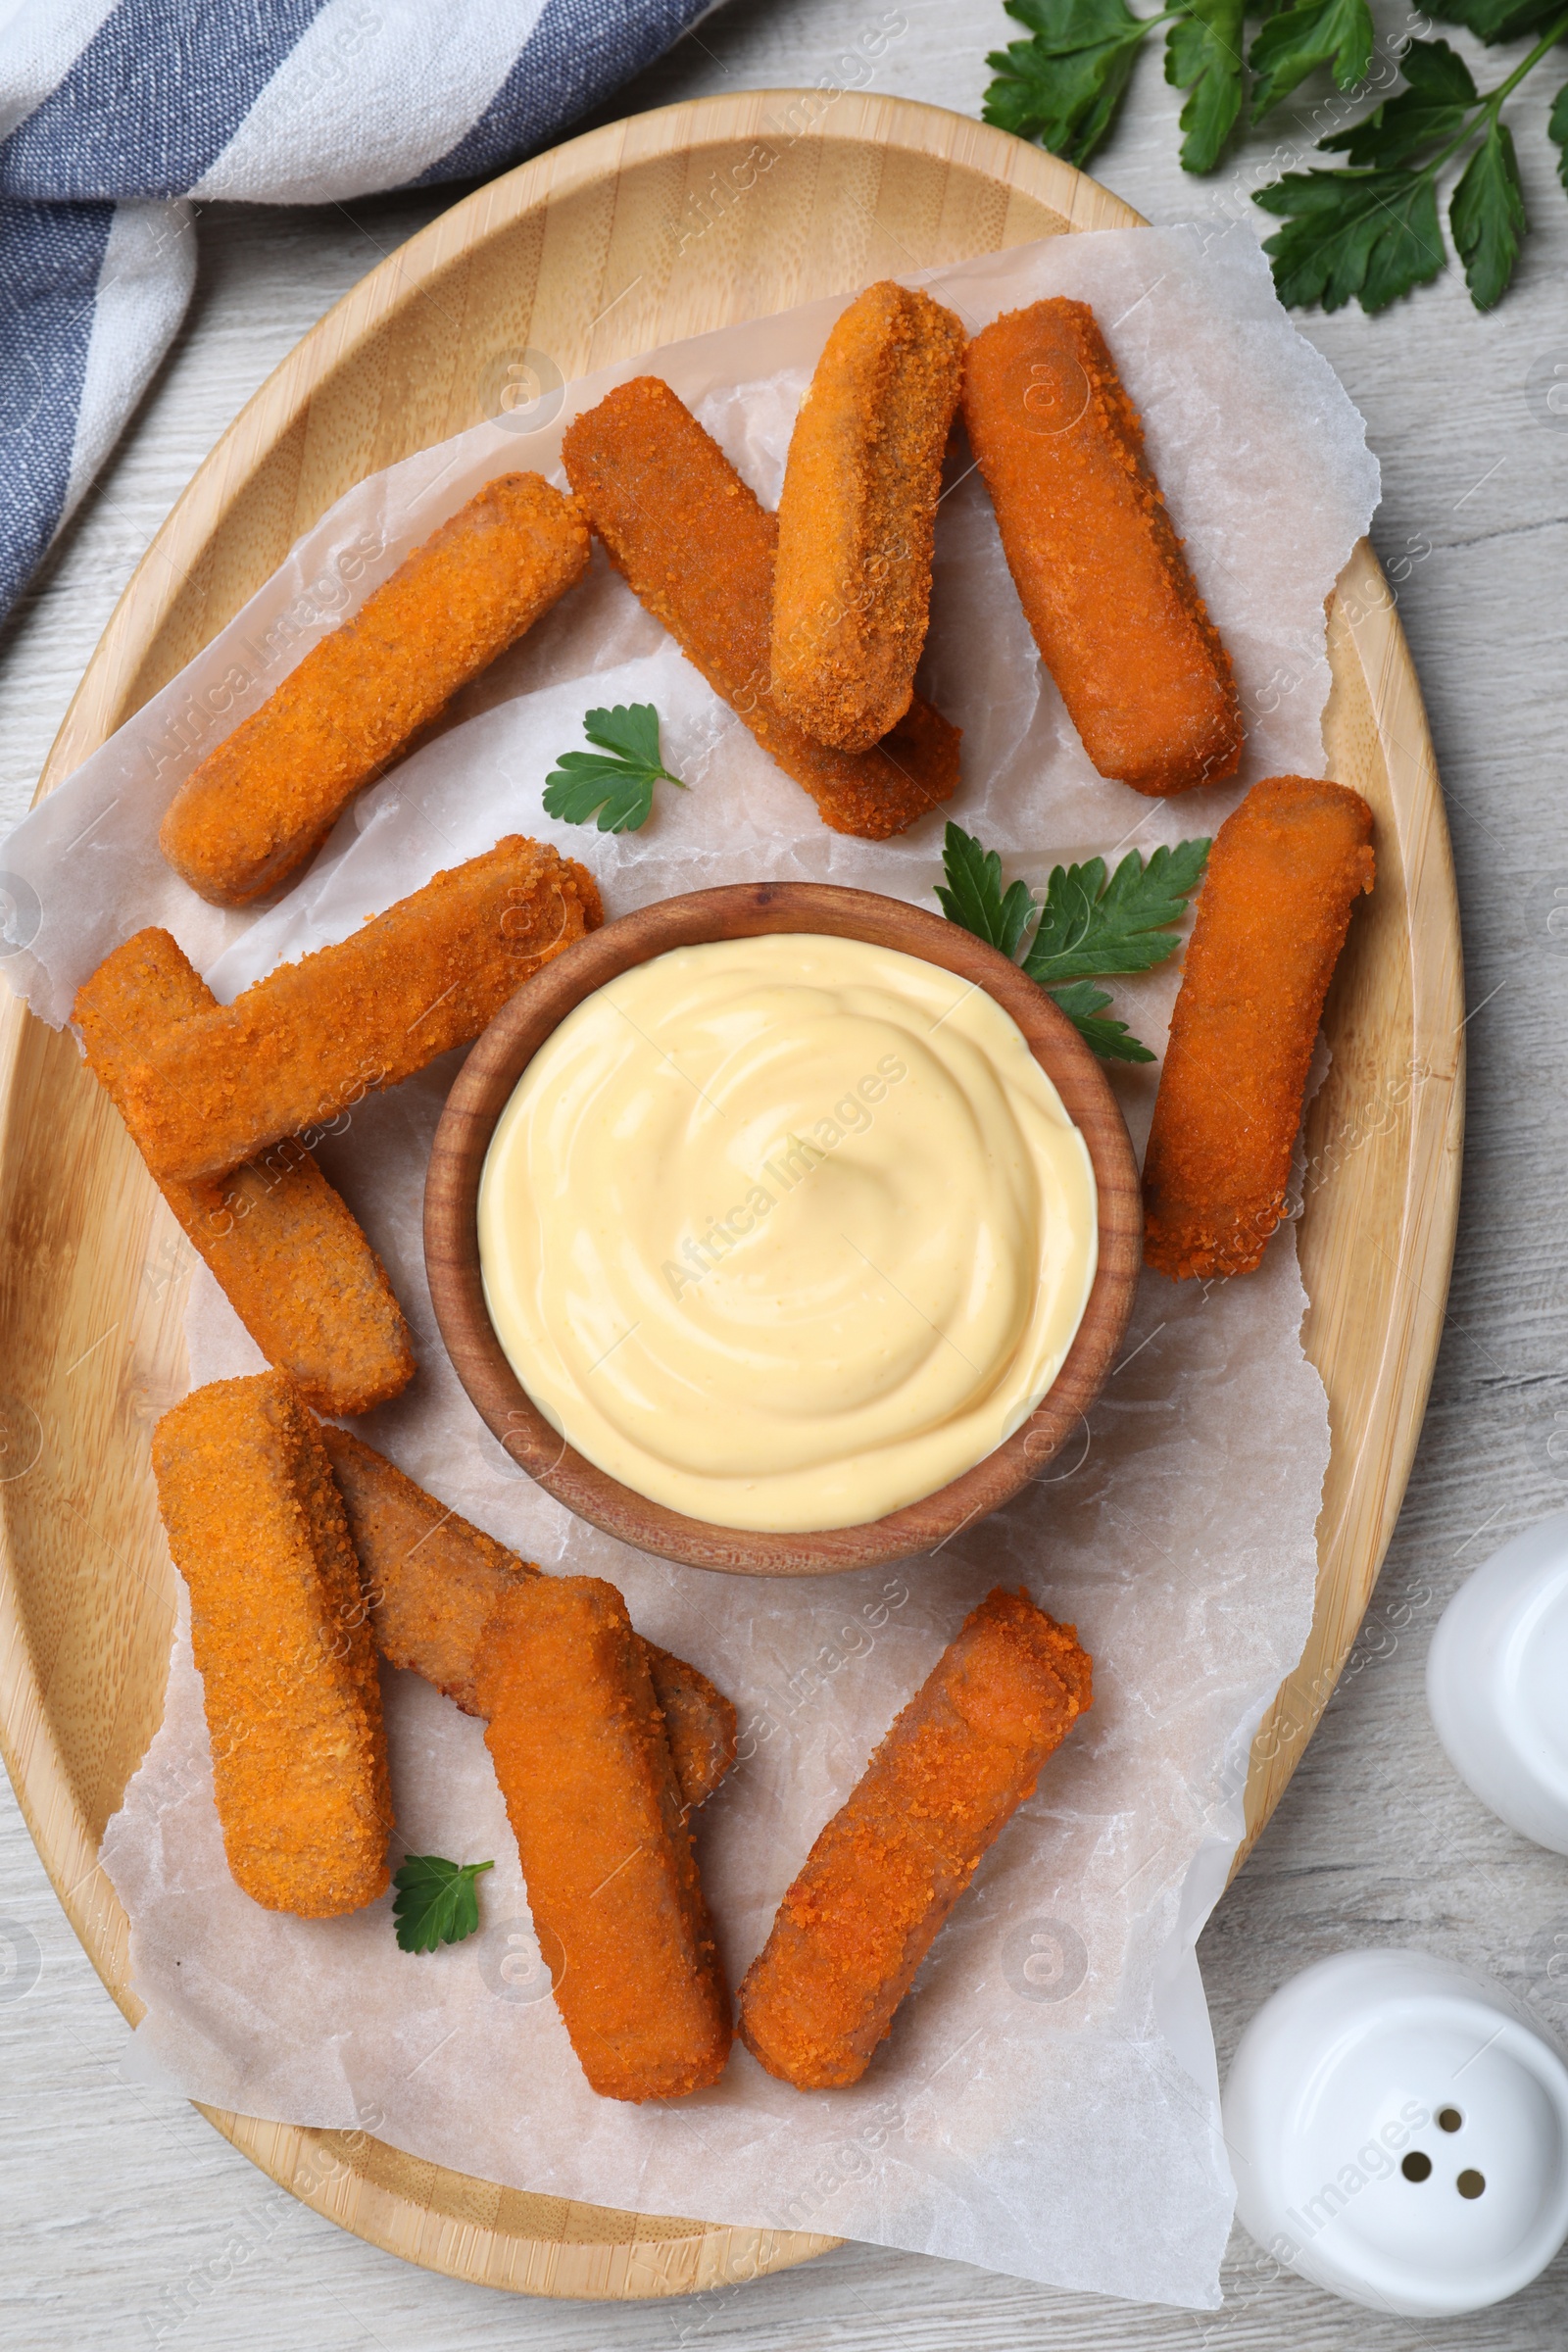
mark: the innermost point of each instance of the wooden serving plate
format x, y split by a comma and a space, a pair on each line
651, 229
745, 910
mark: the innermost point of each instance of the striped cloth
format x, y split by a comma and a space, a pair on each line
114, 114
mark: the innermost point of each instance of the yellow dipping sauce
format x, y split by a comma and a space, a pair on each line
786, 1232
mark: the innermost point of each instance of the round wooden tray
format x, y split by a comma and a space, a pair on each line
634, 235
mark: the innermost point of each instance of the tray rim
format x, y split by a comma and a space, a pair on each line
315, 2165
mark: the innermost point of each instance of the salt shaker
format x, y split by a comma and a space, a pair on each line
1498, 1682
1399, 2135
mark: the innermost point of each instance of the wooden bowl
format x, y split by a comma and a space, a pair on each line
485, 1087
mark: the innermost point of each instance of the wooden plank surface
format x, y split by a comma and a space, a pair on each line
953, 2306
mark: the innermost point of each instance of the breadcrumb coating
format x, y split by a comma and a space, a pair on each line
1099, 569
697, 549
433, 1582
290, 1257
584, 1768
315, 1037
957, 1763
279, 1624
267, 796
856, 515
1284, 873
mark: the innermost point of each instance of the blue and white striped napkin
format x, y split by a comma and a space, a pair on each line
115, 112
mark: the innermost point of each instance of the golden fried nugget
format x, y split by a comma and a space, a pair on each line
291, 1259
678, 522
699, 1724
267, 796
432, 1581
1284, 873
1097, 566
282, 1644
316, 1036
584, 1767
851, 587
884, 1873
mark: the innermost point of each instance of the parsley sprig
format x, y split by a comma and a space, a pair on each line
617, 781
1336, 33
1368, 232
1064, 84
1203, 57
436, 1901
1372, 231
1091, 924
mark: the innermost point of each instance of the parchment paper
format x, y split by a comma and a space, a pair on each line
1047, 2104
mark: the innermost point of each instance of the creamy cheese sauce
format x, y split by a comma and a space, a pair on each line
786, 1232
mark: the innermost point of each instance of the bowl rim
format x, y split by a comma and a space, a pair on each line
739, 910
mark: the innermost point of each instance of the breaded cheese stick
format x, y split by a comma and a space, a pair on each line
433, 1582
316, 1036
884, 1873
584, 1768
1097, 566
852, 586
1284, 873
279, 1626
290, 1257
698, 549
267, 797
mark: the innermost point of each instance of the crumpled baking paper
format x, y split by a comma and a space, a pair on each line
1047, 2104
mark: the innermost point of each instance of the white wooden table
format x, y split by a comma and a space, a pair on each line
125, 2219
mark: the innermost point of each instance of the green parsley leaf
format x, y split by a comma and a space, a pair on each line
436, 1901
1557, 131
1064, 86
1090, 927
630, 731
1110, 1040
1495, 20
1434, 108
1370, 235
1318, 32
1204, 57
973, 897
1087, 925
1487, 216
618, 780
